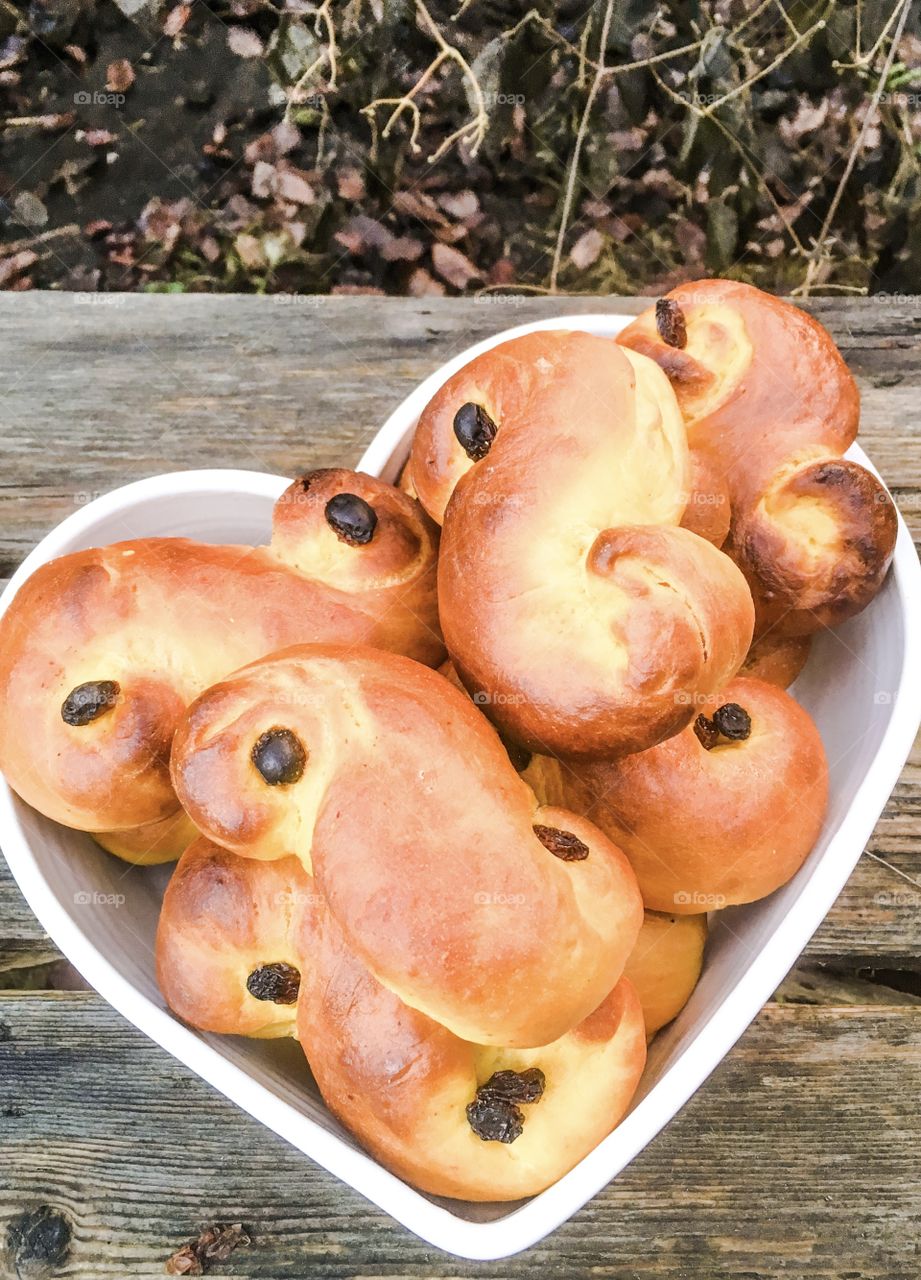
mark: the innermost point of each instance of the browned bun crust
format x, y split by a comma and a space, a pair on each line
665, 965
708, 511
765, 391
777, 659
421, 836
224, 919
402, 1083
152, 844
706, 829
160, 619
577, 613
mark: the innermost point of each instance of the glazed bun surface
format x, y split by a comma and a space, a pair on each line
665, 965
228, 941
577, 612
418, 1097
707, 828
503, 920
101, 651
765, 391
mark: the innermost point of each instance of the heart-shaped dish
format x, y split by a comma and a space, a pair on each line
859, 685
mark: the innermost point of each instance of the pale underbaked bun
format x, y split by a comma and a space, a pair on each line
706, 828
665, 965
776, 658
765, 391
230, 939
101, 651
431, 1106
578, 614
504, 921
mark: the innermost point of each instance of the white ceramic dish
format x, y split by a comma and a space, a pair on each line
860, 685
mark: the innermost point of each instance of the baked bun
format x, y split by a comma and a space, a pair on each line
765, 391
228, 938
706, 819
456, 1118
777, 659
101, 651
504, 921
665, 965
578, 614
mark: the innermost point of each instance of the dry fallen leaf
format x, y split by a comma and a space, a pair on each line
119, 76
587, 249
453, 266
244, 42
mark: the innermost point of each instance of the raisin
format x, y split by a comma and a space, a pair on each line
351, 518
562, 843
670, 323
733, 721
280, 757
515, 1086
279, 983
707, 733
729, 721
493, 1114
87, 702
475, 430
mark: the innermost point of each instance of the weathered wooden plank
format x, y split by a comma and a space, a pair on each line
798, 1158
99, 392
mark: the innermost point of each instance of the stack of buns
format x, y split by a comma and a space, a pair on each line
473, 894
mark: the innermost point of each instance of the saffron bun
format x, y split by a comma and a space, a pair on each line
764, 390
418, 1096
579, 615
229, 941
777, 659
505, 921
707, 828
101, 651
707, 512
665, 965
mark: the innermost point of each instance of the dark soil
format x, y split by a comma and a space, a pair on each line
153, 152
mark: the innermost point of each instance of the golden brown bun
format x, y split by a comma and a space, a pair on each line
152, 844
579, 615
777, 659
665, 965
427, 846
708, 511
706, 829
228, 941
765, 391
402, 1083
151, 623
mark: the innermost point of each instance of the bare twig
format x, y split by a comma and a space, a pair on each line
577, 148
816, 253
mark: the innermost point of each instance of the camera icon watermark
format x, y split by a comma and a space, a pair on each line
98, 98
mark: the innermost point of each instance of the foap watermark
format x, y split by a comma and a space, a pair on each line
93, 898
297, 299
99, 299
98, 98
898, 898
499, 899
483, 698
494, 99
703, 901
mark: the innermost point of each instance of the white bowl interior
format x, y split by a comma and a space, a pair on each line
858, 687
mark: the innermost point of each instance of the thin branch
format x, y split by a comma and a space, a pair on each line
816, 254
577, 148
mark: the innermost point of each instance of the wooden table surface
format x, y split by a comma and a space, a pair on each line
798, 1158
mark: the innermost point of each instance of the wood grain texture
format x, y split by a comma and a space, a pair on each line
102, 389
798, 1158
